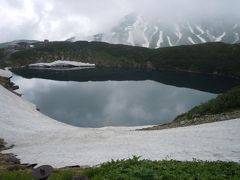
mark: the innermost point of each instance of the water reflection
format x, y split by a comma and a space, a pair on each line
213, 84
109, 103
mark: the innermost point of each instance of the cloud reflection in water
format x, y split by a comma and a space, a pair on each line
109, 103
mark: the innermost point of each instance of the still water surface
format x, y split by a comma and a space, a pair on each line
113, 97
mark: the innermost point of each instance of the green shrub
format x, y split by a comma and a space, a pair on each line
135, 168
146, 169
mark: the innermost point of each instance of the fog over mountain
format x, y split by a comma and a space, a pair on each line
138, 30
195, 21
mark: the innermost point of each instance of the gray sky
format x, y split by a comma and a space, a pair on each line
61, 19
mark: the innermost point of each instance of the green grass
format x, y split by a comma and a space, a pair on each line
143, 169
27, 174
226, 102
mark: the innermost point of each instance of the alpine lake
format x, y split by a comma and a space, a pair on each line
101, 97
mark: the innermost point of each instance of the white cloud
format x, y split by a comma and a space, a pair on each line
61, 19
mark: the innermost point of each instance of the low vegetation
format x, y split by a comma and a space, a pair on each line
142, 169
8, 84
224, 103
5, 82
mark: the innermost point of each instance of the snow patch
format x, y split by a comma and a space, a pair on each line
191, 40
202, 39
219, 38
60, 63
5, 73
178, 33
214, 38
198, 35
200, 29
160, 40
169, 41
190, 28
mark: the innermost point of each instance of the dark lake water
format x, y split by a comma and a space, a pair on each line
116, 97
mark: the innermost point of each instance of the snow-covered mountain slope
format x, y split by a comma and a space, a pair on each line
153, 33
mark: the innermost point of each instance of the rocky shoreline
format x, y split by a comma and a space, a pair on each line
9, 161
8, 84
197, 120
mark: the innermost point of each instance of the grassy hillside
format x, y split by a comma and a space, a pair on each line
217, 58
143, 169
224, 103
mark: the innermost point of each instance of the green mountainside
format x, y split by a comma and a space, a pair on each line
213, 58
224, 103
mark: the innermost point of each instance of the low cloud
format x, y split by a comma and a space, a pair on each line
60, 19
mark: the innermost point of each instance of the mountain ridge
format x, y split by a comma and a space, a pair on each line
136, 30
208, 58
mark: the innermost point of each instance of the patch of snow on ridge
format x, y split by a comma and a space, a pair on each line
178, 33
201, 38
160, 40
220, 37
169, 41
62, 63
191, 40
190, 28
198, 35
214, 38
200, 29
42, 140
201, 33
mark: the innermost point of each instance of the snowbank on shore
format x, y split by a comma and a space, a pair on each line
5, 73
40, 139
61, 63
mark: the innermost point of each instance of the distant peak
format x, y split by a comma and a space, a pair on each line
71, 39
